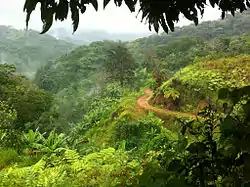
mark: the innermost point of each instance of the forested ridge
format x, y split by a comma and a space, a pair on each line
28, 50
88, 117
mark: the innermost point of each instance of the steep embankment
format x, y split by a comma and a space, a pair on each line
143, 103
196, 86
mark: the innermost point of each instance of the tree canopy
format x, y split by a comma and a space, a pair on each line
28, 50
164, 13
90, 119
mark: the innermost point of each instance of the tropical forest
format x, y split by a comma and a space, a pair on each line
171, 109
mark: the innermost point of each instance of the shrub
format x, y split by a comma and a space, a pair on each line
8, 157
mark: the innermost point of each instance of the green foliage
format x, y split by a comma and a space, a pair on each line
81, 68
7, 116
119, 64
176, 50
89, 72
26, 102
39, 144
199, 83
109, 167
137, 134
171, 93
216, 154
168, 56
9, 135
87, 128
28, 50
8, 157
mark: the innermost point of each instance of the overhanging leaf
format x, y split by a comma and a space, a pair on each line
105, 3
212, 3
29, 7
131, 5
62, 10
156, 26
47, 17
118, 2
223, 14
74, 14
170, 24
95, 4
248, 4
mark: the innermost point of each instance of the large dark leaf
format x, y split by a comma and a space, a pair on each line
29, 7
119, 2
223, 14
62, 10
246, 108
248, 4
47, 17
105, 3
175, 165
197, 147
74, 14
156, 26
246, 158
131, 5
95, 4
152, 178
223, 93
212, 3
170, 24
237, 94
229, 125
178, 182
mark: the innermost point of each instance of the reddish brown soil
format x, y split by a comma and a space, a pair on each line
143, 103
148, 91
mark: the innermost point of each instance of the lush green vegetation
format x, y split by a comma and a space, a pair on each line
78, 122
196, 86
28, 50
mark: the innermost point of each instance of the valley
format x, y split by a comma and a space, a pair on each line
163, 110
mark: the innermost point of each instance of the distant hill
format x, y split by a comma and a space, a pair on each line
28, 50
81, 67
86, 36
178, 49
173, 52
230, 26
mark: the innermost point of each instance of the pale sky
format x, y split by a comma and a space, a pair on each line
112, 19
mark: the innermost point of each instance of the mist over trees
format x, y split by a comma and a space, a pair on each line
157, 13
164, 110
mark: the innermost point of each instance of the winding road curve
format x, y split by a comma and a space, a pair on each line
143, 103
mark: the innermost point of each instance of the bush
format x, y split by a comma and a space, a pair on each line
7, 157
138, 133
109, 167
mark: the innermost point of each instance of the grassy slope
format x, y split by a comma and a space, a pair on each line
195, 86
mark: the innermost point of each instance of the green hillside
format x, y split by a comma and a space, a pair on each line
166, 110
173, 51
208, 30
28, 50
197, 85
73, 68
